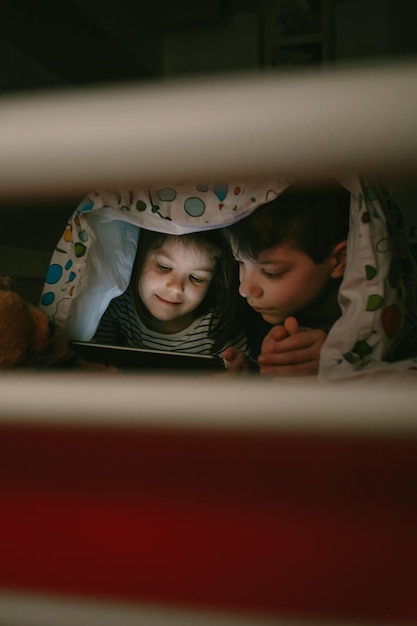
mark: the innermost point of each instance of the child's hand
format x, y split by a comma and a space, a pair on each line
236, 361
289, 350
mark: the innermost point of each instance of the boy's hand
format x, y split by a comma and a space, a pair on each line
236, 361
289, 350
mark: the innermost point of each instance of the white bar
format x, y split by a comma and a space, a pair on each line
42, 610
361, 119
19, 609
140, 400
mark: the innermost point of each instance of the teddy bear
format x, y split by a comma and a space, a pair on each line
25, 330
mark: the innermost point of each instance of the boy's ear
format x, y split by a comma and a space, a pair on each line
338, 257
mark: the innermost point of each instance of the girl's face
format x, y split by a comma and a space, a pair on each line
173, 282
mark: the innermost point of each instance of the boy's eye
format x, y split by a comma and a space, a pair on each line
273, 275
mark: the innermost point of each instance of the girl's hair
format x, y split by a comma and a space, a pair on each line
222, 296
314, 219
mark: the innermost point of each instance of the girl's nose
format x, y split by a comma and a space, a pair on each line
175, 284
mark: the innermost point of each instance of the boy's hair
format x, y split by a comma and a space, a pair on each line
222, 295
313, 219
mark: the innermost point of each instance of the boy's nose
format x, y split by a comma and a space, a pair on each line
248, 289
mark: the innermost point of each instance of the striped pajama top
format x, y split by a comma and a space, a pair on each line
120, 325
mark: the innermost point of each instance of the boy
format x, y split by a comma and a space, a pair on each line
292, 255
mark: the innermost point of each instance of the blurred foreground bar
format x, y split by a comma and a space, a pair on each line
360, 119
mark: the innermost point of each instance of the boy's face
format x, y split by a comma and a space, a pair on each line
282, 281
173, 282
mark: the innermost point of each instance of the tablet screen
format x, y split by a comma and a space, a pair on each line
140, 358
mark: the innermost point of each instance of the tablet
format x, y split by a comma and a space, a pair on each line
140, 358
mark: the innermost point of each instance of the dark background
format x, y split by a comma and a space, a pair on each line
67, 43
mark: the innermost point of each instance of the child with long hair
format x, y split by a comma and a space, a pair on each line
183, 297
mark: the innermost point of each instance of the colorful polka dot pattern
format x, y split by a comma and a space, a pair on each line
176, 210
381, 272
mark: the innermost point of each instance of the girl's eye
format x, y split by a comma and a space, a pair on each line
163, 268
196, 279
